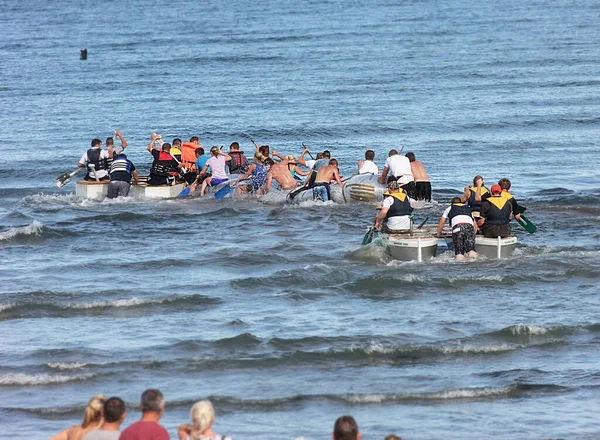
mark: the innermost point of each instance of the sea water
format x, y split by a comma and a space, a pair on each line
276, 313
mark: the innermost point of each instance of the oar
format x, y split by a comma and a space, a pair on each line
306, 148
368, 238
423, 223
527, 224
65, 178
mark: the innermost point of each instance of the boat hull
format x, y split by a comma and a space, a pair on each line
495, 247
361, 188
412, 248
95, 190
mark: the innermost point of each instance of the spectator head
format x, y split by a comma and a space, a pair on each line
411, 156
264, 149
291, 159
504, 184
96, 143
214, 151
345, 428
177, 143
199, 151
269, 161
392, 437
110, 142
202, 416
476, 179
93, 411
194, 140
166, 147
369, 155
319, 155
152, 401
333, 162
496, 189
393, 186
234, 146
455, 200
114, 410
259, 157
392, 152
326, 154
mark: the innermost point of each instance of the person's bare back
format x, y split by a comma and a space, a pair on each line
281, 173
328, 173
418, 171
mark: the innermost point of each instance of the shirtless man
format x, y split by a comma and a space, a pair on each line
325, 175
422, 182
282, 174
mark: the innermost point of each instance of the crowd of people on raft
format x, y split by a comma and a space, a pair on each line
103, 418
188, 162
477, 210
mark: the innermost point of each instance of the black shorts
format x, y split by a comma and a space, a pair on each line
463, 238
423, 191
252, 187
411, 189
493, 231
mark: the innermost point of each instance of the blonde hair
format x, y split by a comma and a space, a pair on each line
94, 410
202, 415
259, 156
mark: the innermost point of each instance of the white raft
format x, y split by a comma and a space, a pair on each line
98, 190
495, 247
419, 245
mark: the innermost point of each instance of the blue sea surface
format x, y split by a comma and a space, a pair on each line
275, 312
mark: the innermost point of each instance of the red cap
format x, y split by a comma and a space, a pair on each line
496, 189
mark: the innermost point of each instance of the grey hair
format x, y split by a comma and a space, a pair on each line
152, 400
202, 415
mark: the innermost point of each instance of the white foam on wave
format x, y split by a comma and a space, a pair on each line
471, 393
35, 227
316, 266
39, 379
67, 365
130, 302
497, 278
377, 347
524, 329
6, 306
474, 349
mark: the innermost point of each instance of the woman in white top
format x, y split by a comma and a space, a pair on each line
202, 415
367, 166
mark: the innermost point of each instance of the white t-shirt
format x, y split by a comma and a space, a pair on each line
103, 155
399, 166
396, 223
458, 219
310, 163
217, 166
368, 167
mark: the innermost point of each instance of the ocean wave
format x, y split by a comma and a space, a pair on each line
21, 379
34, 228
33, 307
67, 365
527, 330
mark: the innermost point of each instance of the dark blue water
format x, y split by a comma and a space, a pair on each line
275, 312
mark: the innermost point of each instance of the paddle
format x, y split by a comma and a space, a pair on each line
423, 223
65, 178
306, 148
370, 236
527, 224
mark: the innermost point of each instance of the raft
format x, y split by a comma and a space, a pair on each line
495, 247
98, 190
416, 245
360, 188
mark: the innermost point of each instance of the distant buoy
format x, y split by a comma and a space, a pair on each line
83, 54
